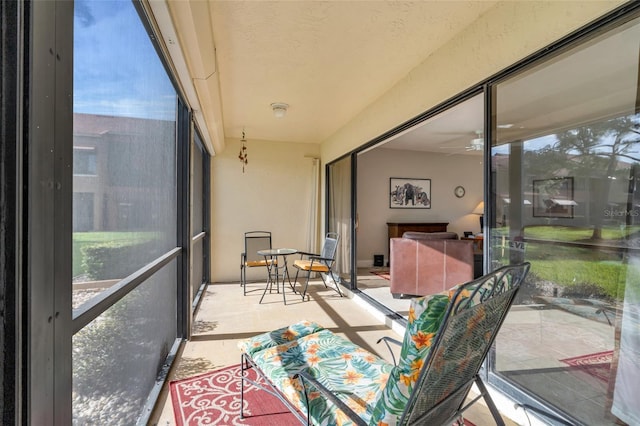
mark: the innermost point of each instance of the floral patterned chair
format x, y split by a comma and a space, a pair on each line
325, 379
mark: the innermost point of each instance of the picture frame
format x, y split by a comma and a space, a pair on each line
409, 193
553, 198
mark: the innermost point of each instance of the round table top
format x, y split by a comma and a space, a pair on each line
277, 252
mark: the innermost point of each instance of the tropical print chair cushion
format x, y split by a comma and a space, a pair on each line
375, 389
278, 337
355, 375
425, 317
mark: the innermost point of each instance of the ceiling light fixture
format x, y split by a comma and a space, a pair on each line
279, 109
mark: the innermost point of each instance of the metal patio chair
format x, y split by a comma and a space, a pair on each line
322, 377
321, 263
254, 241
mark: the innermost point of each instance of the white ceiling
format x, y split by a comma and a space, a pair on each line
327, 59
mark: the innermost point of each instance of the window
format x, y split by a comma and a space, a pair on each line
564, 165
84, 161
124, 212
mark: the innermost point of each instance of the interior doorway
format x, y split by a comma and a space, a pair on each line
443, 159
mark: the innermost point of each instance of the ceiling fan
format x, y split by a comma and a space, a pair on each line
475, 144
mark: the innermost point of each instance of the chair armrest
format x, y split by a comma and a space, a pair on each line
387, 340
305, 377
317, 257
306, 253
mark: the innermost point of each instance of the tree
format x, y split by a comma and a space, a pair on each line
595, 151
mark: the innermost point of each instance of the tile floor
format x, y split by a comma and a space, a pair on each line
225, 316
531, 345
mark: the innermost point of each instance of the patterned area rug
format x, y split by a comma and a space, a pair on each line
214, 399
597, 365
382, 274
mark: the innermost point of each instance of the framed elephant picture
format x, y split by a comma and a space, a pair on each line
409, 193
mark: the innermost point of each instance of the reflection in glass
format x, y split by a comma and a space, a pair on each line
117, 357
124, 209
566, 199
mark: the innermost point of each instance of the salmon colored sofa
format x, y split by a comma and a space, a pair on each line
429, 263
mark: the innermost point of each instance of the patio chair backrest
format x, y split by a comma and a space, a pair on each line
330, 246
254, 241
473, 318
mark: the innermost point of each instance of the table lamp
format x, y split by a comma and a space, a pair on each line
479, 210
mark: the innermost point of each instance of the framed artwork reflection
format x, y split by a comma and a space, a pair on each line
409, 193
553, 198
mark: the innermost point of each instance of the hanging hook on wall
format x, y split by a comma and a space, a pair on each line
243, 152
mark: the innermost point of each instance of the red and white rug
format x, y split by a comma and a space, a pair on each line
597, 364
213, 398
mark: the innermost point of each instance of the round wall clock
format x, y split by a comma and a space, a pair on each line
459, 191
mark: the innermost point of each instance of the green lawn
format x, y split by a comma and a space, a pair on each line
590, 271
83, 239
566, 233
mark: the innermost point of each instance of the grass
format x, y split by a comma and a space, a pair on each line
580, 271
566, 233
83, 239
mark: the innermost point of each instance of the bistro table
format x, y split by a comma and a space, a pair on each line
271, 254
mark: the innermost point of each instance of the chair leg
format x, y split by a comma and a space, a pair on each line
489, 401
243, 279
243, 364
335, 282
295, 282
303, 293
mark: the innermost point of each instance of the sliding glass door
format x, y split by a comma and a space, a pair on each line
565, 161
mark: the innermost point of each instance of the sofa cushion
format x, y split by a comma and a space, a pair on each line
353, 374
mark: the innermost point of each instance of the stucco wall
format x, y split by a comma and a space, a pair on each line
272, 195
445, 171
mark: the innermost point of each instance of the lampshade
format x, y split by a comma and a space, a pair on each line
479, 208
